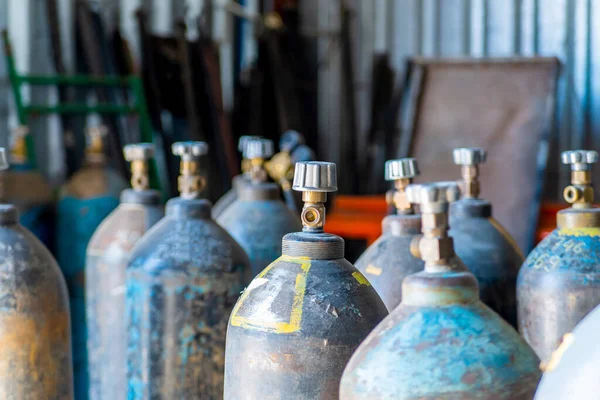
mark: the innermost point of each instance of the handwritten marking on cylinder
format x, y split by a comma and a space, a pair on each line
295, 319
373, 270
557, 355
360, 278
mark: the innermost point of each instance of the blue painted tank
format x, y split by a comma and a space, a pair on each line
35, 345
182, 282
441, 342
559, 283
258, 219
106, 260
84, 202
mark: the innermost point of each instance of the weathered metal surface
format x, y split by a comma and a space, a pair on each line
85, 201
572, 372
388, 260
489, 252
258, 220
35, 347
183, 279
558, 285
107, 256
229, 197
297, 324
441, 342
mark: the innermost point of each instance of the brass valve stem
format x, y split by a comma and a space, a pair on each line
313, 212
94, 152
469, 184
18, 150
139, 175
189, 182
580, 193
257, 171
398, 197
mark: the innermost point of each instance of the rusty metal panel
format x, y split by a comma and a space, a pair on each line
505, 106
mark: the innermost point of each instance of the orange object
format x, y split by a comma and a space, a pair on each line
359, 217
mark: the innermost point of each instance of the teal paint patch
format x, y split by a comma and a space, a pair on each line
77, 220
37, 220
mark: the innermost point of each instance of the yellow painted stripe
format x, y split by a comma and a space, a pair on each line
360, 278
579, 232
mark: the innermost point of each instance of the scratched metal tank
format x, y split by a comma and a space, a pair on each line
28, 190
35, 343
559, 283
388, 260
481, 242
258, 219
442, 341
296, 325
183, 280
572, 372
84, 202
107, 257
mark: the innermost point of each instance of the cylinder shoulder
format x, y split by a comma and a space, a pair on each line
272, 215
94, 181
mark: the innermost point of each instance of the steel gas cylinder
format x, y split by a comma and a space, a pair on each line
481, 242
388, 260
239, 180
107, 257
559, 283
258, 219
572, 372
441, 342
28, 190
35, 344
84, 202
295, 327
183, 279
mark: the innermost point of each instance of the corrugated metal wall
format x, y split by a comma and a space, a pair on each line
402, 28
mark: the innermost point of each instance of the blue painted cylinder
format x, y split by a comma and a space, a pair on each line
258, 220
107, 256
183, 280
84, 202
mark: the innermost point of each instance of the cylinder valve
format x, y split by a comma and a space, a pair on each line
242, 142
95, 143
18, 148
3, 166
314, 179
139, 155
256, 152
190, 182
435, 247
469, 159
402, 172
580, 192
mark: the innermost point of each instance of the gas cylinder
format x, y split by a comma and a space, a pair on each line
388, 260
572, 372
296, 325
84, 201
441, 342
35, 342
107, 257
559, 283
258, 219
27, 189
182, 282
228, 198
481, 242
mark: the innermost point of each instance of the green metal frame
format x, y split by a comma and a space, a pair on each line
134, 83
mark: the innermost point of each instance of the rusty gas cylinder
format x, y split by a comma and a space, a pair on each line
481, 242
388, 260
572, 372
84, 201
239, 180
183, 280
441, 342
107, 257
295, 327
35, 343
559, 283
258, 219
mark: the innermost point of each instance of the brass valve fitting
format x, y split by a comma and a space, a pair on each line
434, 247
580, 193
401, 171
18, 150
242, 142
469, 159
315, 179
3, 166
256, 151
139, 155
190, 183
